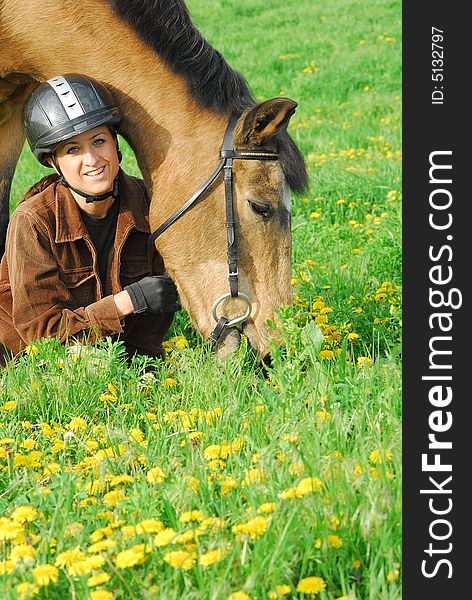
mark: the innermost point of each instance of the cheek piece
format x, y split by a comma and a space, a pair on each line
90, 197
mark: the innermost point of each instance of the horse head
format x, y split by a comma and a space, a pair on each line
195, 249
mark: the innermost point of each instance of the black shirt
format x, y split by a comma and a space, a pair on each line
102, 232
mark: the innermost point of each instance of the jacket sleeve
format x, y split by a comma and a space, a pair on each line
42, 304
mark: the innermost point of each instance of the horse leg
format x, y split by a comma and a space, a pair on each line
12, 99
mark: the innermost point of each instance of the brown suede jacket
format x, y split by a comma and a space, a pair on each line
49, 280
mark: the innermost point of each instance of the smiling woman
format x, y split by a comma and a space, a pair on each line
77, 261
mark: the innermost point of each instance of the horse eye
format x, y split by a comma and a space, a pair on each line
266, 211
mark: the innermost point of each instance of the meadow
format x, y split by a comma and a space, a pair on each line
196, 478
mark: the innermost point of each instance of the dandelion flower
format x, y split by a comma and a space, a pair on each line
334, 541
326, 354
267, 507
98, 579
254, 528
364, 361
311, 585
238, 596
26, 590
211, 557
279, 592
101, 595
149, 526
191, 515
6, 566
155, 475
376, 456
164, 537
9, 530
24, 513
130, 558
180, 558
45, 574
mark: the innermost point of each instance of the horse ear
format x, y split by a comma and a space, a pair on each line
265, 120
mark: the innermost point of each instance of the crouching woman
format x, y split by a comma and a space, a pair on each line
77, 262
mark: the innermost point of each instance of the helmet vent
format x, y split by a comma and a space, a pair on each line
73, 109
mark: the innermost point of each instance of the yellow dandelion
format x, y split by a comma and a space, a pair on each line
169, 382
6, 566
155, 475
311, 585
211, 557
136, 435
149, 526
193, 483
101, 595
279, 592
101, 546
393, 575
130, 558
112, 498
315, 215
77, 424
32, 350
26, 590
191, 515
323, 416
98, 579
326, 354
307, 486
24, 513
69, 557
227, 485
377, 456
238, 596
364, 361
165, 537
254, 528
180, 559
266, 508
334, 541
118, 479
45, 574
23, 552
9, 530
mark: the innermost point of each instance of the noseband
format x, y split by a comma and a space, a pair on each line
227, 155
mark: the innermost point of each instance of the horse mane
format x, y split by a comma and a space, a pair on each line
166, 26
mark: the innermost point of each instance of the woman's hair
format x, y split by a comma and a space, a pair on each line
40, 185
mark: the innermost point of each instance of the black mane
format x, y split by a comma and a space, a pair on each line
166, 26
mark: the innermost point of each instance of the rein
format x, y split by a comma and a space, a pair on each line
225, 165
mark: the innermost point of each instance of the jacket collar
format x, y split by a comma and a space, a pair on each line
132, 215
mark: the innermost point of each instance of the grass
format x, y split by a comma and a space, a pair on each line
294, 472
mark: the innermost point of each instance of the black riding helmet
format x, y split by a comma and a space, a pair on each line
64, 106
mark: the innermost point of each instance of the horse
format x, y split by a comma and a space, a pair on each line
176, 94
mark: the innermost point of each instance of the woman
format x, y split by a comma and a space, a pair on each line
77, 262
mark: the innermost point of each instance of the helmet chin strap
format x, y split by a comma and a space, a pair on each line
94, 198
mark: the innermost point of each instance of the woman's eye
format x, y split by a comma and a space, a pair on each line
99, 142
72, 150
266, 211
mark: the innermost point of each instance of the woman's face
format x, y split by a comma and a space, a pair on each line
89, 161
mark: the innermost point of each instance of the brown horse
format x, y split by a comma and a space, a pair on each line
176, 94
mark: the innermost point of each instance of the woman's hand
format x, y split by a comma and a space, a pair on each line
156, 295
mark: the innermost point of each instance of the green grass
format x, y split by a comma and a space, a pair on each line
328, 410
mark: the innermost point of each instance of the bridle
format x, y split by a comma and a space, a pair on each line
227, 155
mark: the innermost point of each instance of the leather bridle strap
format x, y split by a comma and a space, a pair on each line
227, 155
187, 205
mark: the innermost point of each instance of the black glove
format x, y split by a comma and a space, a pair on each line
156, 295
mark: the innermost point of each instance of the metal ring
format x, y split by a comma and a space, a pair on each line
236, 320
